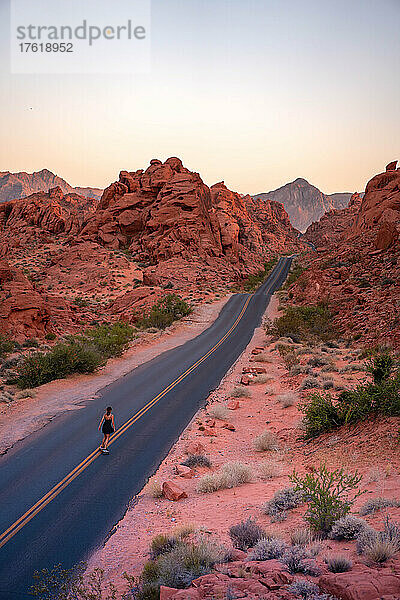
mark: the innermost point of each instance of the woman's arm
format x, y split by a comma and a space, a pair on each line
102, 419
113, 424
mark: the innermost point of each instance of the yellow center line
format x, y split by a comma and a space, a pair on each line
47, 498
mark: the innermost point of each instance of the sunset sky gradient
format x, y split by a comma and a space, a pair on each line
254, 92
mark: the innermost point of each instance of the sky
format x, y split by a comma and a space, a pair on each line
252, 92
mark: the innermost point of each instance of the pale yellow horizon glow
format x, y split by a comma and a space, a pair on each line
254, 95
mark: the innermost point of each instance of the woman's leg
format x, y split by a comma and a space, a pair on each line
104, 441
106, 438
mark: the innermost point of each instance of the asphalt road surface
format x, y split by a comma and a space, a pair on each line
60, 498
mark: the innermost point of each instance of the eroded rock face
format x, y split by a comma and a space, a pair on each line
43, 213
167, 212
363, 584
23, 311
357, 267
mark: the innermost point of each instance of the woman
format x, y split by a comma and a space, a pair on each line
108, 427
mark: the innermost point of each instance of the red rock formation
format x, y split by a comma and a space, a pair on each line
357, 268
23, 311
44, 212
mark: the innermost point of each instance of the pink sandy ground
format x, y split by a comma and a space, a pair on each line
369, 445
22, 417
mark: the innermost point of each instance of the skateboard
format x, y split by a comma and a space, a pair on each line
104, 451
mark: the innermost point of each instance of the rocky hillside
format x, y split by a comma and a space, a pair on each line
304, 202
162, 228
357, 267
21, 185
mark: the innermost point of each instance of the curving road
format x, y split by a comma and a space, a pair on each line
60, 498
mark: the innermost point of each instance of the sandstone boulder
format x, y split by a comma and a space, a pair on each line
172, 491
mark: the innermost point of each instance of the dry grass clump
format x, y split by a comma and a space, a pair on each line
218, 411
261, 378
25, 394
266, 441
288, 399
246, 534
380, 550
269, 468
230, 475
240, 391
301, 536
197, 460
338, 563
269, 391
374, 504
154, 488
263, 357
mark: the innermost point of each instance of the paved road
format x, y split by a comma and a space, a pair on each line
60, 498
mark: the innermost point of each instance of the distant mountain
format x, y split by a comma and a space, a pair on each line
21, 185
305, 203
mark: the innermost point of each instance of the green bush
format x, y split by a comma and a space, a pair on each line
323, 413
168, 309
328, 494
6, 346
78, 354
312, 322
380, 366
178, 566
320, 414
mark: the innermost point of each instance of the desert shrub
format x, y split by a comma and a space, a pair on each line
317, 360
186, 561
218, 411
380, 546
154, 488
310, 382
282, 501
328, 384
267, 549
168, 309
320, 414
269, 468
246, 534
329, 496
296, 370
375, 474
240, 391
304, 589
161, 544
30, 343
296, 560
379, 551
374, 504
230, 475
302, 536
196, 460
289, 356
337, 563
347, 528
380, 366
305, 322
266, 441
82, 353
72, 584
110, 340
287, 399
6, 346
63, 360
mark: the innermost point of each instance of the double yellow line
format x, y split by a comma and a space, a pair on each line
57, 489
